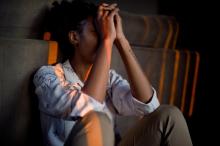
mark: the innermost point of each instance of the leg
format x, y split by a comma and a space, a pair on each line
94, 129
166, 126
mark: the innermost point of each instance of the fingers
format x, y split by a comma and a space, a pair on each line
111, 7
106, 9
106, 13
114, 12
103, 4
117, 17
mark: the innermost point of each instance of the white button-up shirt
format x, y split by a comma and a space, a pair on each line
61, 101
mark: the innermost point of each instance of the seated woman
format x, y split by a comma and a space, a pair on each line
79, 97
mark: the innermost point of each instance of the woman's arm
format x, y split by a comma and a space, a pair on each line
140, 85
96, 83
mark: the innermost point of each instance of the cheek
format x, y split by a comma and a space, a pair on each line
93, 41
93, 36
88, 43
89, 46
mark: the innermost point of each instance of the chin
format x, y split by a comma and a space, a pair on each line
93, 57
91, 60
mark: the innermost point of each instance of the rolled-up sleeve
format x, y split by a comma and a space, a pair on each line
60, 98
123, 100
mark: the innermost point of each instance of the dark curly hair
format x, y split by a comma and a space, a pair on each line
64, 17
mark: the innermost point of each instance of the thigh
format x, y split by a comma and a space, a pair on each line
94, 129
144, 131
165, 126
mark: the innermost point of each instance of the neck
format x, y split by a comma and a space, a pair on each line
81, 68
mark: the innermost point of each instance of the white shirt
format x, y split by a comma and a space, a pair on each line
61, 101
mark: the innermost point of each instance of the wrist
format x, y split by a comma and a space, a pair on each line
106, 44
107, 40
121, 42
106, 48
121, 38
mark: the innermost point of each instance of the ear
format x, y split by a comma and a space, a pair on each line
73, 37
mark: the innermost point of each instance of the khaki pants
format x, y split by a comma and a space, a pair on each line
166, 126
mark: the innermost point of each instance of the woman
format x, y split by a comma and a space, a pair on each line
79, 98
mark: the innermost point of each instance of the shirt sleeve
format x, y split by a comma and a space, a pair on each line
123, 100
60, 98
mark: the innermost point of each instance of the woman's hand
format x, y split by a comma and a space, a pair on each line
105, 21
118, 27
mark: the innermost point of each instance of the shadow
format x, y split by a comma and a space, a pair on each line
20, 117
37, 28
35, 135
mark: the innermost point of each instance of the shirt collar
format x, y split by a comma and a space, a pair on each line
70, 73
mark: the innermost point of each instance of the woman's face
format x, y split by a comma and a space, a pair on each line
87, 41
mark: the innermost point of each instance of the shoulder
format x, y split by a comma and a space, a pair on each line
47, 71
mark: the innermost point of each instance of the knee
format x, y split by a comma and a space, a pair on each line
93, 124
98, 124
173, 124
94, 116
168, 111
95, 119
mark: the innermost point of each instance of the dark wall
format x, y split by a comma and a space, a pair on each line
137, 6
21, 19
198, 30
24, 18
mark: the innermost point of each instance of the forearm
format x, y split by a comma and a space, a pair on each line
140, 85
96, 83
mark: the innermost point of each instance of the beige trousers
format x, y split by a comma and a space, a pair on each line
166, 126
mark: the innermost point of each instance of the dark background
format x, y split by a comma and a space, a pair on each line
198, 32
